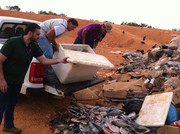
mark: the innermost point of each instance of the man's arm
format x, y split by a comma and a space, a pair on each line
42, 59
95, 44
51, 37
3, 84
84, 36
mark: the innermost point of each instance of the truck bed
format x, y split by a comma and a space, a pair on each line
53, 81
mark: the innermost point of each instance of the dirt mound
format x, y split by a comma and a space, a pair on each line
126, 37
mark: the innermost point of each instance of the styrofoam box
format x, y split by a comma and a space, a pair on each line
83, 63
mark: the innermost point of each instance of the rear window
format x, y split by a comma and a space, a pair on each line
12, 29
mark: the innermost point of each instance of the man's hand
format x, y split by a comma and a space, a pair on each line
3, 86
64, 60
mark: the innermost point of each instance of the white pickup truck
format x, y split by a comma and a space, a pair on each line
34, 79
11, 26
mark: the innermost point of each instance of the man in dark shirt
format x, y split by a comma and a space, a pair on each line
92, 34
15, 58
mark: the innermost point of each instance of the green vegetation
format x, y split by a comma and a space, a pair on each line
14, 8
136, 25
51, 13
175, 29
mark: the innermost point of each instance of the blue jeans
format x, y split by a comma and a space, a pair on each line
8, 102
46, 47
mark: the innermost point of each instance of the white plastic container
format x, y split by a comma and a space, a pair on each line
84, 63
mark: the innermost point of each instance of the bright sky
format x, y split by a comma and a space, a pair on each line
163, 14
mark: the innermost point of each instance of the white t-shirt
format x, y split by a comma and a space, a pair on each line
59, 25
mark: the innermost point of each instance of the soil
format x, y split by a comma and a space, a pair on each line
33, 114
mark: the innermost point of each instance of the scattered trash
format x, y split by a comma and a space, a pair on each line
95, 120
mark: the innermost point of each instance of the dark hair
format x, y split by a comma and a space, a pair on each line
31, 27
73, 21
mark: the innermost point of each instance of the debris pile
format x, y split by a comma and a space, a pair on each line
89, 119
156, 71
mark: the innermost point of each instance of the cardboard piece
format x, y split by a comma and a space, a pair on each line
119, 89
85, 94
154, 110
176, 96
168, 130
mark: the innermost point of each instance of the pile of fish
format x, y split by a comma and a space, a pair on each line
89, 119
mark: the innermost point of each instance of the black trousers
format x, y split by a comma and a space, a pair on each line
79, 41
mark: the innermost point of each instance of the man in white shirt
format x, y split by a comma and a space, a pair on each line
52, 29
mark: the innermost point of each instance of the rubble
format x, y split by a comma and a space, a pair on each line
154, 72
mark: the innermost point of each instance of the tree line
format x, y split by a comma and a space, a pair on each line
17, 8
136, 25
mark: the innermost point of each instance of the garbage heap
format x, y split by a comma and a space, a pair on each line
89, 119
155, 71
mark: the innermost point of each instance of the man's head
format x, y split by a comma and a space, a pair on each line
72, 24
32, 27
108, 26
32, 31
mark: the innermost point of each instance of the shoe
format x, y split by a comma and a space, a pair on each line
13, 130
